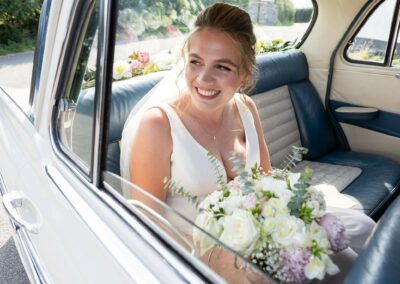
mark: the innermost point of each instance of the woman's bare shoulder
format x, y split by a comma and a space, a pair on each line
155, 123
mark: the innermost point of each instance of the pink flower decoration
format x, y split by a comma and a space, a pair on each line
143, 56
294, 260
336, 232
136, 64
249, 201
171, 30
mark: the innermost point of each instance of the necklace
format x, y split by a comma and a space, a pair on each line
213, 136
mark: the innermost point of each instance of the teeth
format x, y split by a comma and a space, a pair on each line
207, 93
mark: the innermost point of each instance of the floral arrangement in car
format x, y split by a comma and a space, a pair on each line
267, 45
141, 63
277, 221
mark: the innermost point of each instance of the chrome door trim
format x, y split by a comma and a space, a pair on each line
128, 261
35, 270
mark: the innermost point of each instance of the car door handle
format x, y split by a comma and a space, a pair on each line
16, 203
397, 75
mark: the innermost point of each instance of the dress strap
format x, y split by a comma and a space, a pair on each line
253, 147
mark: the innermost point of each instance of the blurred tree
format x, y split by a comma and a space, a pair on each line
285, 12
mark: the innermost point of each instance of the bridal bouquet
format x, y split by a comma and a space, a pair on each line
276, 221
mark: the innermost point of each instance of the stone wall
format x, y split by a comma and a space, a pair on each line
263, 12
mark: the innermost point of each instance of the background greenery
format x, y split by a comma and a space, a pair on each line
18, 24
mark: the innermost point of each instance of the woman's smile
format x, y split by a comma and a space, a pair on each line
207, 93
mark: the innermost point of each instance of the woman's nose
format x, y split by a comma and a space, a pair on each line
206, 76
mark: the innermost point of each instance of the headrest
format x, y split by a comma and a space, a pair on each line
276, 69
125, 95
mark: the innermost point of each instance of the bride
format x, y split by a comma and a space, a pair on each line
171, 132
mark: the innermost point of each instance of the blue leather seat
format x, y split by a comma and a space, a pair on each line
374, 188
379, 261
125, 94
380, 177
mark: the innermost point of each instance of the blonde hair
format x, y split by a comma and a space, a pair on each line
236, 23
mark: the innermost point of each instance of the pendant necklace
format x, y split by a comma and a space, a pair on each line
213, 136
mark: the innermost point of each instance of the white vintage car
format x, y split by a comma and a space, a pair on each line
337, 93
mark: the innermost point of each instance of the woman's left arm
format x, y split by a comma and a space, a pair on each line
265, 161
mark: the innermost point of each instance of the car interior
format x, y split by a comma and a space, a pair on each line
292, 113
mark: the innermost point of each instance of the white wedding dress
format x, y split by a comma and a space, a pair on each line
191, 169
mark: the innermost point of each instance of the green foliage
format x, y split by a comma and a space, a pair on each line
240, 170
217, 170
263, 46
296, 204
18, 24
285, 12
289, 162
303, 15
177, 190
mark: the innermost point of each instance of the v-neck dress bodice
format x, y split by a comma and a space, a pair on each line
190, 165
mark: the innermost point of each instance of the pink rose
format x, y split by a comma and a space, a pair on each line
143, 56
136, 64
336, 232
294, 260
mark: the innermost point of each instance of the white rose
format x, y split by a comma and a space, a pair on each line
330, 267
270, 225
293, 178
318, 234
315, 268
231, 203
269, 183
121, 70
289, 231
240, 232
316, 210
208, 223
211, 199
274, 207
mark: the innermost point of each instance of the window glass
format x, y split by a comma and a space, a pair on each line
396, 56
370, 43
157, 30
19, 22
76, 107
149, 37
177, 230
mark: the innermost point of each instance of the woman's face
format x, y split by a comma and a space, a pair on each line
212, 70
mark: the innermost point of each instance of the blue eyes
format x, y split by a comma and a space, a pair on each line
218, 66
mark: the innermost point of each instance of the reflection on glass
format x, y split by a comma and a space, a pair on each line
396, 56
178, 231
76, 108
371, 41
149, 34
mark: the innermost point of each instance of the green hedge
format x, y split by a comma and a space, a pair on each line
285, 12
19, 20
303, 15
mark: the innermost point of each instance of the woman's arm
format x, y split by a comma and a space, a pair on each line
265, 162
151, 153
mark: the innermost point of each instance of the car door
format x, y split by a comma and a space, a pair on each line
67, 229
364, 88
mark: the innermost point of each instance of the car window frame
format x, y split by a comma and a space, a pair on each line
68, 70
392, 39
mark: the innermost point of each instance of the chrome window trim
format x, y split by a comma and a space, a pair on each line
39, 50
102, 65
394, 33
77, 21
391, 45
35, 270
